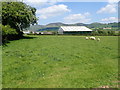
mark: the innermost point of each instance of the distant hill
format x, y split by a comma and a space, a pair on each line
49, 29
55, 26
80, 24
58, 24
101, 25
35, 27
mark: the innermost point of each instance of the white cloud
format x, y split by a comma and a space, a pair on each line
113, 1
109, 20
87, 14
77, 18
52, 11
110, 8
39, 3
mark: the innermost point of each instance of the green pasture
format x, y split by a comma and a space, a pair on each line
60, 62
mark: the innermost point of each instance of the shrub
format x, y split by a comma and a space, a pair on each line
105, 33
95, 33
102, 32
111, 33
8, 33
118, 33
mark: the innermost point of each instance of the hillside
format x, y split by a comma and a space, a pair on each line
35, 27
55, 26
101, 25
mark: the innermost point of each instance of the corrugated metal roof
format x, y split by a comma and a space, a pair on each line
75, 28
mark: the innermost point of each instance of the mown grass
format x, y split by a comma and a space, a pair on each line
60, 62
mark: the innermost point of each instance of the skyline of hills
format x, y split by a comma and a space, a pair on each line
55, 26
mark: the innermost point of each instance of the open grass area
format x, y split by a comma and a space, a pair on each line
0, 67
60, 62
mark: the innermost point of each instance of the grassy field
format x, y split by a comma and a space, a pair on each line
0, 67
60, 62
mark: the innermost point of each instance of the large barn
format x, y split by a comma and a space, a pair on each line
74, 30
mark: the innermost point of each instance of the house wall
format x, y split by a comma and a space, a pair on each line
60, 31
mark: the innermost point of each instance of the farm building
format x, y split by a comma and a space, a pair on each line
74, 30
47, 33
26, 32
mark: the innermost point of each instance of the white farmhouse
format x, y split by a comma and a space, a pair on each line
26, 32
74, 30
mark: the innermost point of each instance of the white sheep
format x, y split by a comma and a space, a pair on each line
98, 39
92, 38
86, 38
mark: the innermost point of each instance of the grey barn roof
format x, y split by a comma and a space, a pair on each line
75, 28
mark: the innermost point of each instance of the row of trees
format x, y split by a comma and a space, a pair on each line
105, 33
15, 17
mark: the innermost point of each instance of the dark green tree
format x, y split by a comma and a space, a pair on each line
18, 15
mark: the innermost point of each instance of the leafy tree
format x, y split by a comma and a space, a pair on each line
18, 15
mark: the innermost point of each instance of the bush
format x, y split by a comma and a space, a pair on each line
111, 33
8, 33
118, 33
94, 33
105, 33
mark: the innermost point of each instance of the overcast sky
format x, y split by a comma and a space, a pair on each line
51, 11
